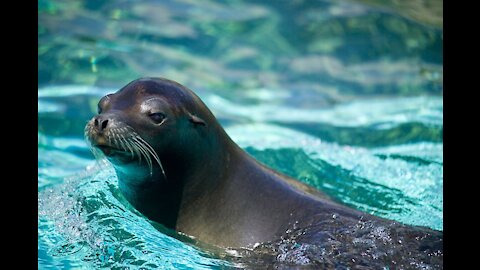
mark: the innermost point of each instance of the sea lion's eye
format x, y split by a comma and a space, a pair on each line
157, 117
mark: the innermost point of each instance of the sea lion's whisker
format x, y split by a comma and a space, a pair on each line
153, 153
112, 141
120, 141
93, 150
113, 135
136, 148
132, 148
109, 138
128, 130
142, 149
128, 140
127, 144
144, 152
97, 154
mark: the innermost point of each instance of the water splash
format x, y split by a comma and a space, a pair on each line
93, 225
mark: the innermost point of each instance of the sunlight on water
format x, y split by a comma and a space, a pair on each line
418, 185
380, 112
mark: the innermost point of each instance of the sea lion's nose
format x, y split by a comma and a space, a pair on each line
100, 122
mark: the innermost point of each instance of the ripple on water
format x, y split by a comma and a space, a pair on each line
88, 224
398, 189
84, 222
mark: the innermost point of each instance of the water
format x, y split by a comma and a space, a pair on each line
345, 96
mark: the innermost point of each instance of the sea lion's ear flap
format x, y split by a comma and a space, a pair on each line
196, 120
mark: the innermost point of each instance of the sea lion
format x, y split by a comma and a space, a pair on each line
178, 167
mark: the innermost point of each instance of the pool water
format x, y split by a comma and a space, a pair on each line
345, 96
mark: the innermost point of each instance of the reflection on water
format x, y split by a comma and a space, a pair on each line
345, 96
345, 47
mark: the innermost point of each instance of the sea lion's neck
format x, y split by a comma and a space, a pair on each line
191, 177
147, 194
208, 169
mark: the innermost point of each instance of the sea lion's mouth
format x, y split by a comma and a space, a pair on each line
121, 145
111, 151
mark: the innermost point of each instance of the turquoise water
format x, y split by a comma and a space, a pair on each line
345, 96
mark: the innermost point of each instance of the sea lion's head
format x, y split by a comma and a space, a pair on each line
148, 123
